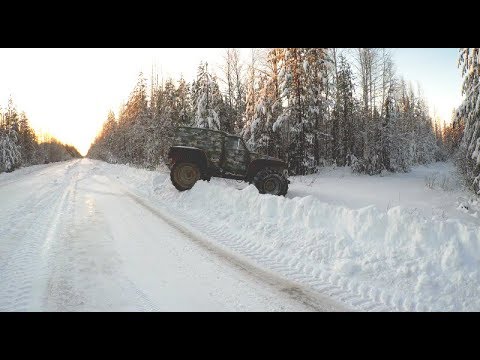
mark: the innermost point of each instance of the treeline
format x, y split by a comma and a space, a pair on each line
310, 106
20, 146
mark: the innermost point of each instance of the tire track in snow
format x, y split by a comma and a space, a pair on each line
83, 270
361, 298
321, 280
35, 172
21, 275
17, 269
294, 290
283, 265
354, 297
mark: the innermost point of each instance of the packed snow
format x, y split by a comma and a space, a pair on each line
87, 235
402, 242
72, 239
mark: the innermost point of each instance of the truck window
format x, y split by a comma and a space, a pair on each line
233, 143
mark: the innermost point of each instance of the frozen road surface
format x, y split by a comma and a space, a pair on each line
73, 238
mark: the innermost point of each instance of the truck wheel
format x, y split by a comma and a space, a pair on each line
184, 175
268, 181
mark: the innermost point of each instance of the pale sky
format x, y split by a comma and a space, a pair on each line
435, 69
68, 92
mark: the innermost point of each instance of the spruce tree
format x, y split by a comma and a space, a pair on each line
469, 112
207, 100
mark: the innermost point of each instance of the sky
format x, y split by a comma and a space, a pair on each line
69, 92
436, 71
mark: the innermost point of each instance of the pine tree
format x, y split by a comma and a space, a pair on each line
301, 90
315, 67
133, 123
344, 113
170, 101
265, 106
28, 141
452, 135
232, 79
250, 103
301, 104
184, 102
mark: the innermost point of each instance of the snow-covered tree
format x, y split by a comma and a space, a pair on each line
264, 107
133, 122
207, 100
261, 137
301, 86
469, 112
305, 105
28, 141
232, 79
251, 96
345, 136
19, 144
316, 63
104, 144
183, 100
10, 155
453, 134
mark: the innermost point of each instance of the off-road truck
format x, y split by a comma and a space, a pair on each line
200, 154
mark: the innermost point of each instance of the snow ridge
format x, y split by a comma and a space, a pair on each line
351, 255
292, 267
370, 258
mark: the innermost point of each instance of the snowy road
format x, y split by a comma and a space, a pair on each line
74, 239
85, 235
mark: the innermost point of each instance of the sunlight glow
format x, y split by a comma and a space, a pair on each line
68, 92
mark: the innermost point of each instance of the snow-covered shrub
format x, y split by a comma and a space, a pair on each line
357, 165
10, 156
430, 180
435, 181
370, 166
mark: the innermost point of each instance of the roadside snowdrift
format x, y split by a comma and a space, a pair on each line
398, 258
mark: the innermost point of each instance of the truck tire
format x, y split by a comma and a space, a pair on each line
184, 175
269, 181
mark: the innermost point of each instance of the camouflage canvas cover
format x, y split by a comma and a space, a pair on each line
210, 141
236, 155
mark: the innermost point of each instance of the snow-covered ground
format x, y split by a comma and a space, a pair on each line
87, 235
404, 242
434, 190
72, 238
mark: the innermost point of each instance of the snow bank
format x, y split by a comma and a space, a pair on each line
401, 257
397, 257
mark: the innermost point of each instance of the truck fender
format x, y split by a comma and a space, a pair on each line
188, 154
256, 165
